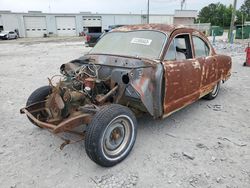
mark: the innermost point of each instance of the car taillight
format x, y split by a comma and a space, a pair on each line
87, 37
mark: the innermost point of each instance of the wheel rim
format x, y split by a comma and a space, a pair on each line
117, 136
215, 90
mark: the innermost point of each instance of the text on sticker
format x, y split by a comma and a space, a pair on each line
141, 41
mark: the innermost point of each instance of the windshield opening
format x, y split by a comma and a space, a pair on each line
144, 44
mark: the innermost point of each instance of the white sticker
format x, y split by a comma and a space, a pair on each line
141, 41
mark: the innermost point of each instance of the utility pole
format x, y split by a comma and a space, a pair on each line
148, 13
182, 4
232, 22
242, 26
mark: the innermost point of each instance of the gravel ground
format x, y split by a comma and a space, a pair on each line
206, 144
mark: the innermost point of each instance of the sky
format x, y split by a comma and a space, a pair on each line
106, 6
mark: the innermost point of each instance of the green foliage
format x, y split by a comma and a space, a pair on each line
239, 15
245, 9
220, 15
216, 14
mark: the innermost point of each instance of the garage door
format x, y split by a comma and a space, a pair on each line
35, 26
92, 21
1, 21
66, 26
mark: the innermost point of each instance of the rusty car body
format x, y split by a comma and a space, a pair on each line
153, 68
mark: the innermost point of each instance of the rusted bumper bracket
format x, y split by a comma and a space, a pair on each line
66, 125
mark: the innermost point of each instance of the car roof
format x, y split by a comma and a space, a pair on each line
165, 28
4, 31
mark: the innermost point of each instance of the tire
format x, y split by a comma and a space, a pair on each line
213, 94
111, 135
39, 94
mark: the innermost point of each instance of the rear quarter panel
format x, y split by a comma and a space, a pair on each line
224, 66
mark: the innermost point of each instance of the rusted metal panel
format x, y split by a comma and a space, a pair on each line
182, 83
144, 75
188, 80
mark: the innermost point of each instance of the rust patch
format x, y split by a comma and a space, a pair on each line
158, 27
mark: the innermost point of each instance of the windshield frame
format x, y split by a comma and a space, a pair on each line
158, 58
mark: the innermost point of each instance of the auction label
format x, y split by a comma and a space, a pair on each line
142, 41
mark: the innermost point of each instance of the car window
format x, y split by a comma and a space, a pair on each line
171, 53
141, 43
200, 47
183, 47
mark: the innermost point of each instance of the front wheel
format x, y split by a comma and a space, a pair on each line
213, 94
111, 135
38, 95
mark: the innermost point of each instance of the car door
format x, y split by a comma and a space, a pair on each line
182, 74
208, 63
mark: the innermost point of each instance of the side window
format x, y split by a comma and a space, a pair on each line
171, 53
183, 47
200, 47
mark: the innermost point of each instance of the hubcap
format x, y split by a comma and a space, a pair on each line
116, 136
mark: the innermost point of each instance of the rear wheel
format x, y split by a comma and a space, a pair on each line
213, 94
38, 95
111, 135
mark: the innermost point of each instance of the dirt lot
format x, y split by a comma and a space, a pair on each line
207, 144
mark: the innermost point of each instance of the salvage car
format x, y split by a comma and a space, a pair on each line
152, 69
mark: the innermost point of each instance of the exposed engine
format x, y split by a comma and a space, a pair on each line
80, 86
88, 83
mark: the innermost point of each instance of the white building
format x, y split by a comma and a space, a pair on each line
185, 17
36, 23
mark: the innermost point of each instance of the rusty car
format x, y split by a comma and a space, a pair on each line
151, 69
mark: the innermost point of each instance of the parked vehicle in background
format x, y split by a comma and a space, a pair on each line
92, 35
152, 69
8, 35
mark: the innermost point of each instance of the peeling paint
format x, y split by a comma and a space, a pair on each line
196, 65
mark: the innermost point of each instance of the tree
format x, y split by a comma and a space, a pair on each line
243, 12
239, 15
245, 9
216, 14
